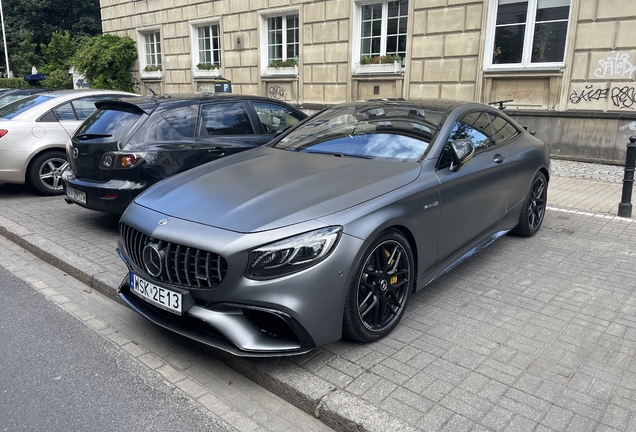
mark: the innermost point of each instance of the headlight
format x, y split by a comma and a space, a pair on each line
292, 254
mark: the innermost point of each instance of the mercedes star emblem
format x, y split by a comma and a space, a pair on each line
162, 222
75, 153
153, 261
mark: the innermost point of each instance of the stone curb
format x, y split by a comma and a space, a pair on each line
310, 393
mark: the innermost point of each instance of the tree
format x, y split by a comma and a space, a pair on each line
105, 61
44, 17
57, 53
58, 79
26, 56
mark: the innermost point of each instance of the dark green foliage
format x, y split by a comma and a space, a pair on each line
43, 18
105, 61
286, 63
26, 57
58, 79
16, 83
56, 55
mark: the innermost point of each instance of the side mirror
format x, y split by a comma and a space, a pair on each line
462, 150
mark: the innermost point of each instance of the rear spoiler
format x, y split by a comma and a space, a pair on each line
120, 105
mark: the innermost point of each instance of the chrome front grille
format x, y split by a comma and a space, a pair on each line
181, 265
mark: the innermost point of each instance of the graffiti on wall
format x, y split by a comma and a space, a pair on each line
520, 94
277, 92
621, 97
617, 66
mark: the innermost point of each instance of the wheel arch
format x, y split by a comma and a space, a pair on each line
35, 154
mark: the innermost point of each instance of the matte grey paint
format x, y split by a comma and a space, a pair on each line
241, 202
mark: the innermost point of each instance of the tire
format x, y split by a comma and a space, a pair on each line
45, 172
533, 209
380, 289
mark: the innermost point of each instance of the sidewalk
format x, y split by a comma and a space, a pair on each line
531, 334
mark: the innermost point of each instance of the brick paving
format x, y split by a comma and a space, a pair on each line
533, 334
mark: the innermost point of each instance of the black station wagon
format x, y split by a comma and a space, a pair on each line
124, 147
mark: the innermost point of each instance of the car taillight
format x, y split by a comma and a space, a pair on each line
113, 160
3, 132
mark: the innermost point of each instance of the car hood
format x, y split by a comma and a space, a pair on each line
268, 188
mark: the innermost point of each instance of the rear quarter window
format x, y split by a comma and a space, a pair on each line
168, 126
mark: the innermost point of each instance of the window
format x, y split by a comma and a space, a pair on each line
225, 119
275, 117
79, 109
502, 130
150, 57
207, 46
528, 33
381, 31
282, 40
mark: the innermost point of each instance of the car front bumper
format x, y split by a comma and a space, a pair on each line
284, 316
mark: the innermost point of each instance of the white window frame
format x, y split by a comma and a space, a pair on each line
194, 39
143, 60
526, 60
264, 45
357, 32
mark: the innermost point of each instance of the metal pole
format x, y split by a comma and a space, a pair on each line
4, 40
625, 206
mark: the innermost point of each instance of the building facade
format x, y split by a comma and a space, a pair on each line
566, 66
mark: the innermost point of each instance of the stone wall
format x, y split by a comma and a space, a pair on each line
445, 49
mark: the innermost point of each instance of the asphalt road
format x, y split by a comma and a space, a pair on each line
56, 374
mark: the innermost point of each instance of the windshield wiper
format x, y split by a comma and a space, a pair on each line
338, 154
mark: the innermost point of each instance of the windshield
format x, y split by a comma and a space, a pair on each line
14, 108
383, 132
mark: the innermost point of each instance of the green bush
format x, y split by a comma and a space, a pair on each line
208, 66
105, 61
283, 63
380, 59
13, 83
59, 79
152, 68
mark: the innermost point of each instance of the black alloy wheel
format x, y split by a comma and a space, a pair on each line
534, 206
381, 288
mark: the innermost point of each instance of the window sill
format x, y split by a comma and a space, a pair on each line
207, 73
151, 75
525, 69
281, 71
381, 68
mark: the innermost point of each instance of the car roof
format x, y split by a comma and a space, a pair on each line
149, 103
58, 97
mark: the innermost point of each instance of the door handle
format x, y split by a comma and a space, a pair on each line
499, 158
217, 152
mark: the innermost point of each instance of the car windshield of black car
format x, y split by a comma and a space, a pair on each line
394, 132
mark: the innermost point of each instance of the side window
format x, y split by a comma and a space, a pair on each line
475, 127
225, 119
182, 119
65, 112
275, 117
85, 107
503, 130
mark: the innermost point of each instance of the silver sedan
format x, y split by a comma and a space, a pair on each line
34, 131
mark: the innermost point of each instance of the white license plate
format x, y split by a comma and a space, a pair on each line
76, 195
158, 296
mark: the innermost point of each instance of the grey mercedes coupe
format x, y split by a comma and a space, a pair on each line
330, 228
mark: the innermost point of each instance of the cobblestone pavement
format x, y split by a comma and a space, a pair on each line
589, 171
533, 334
